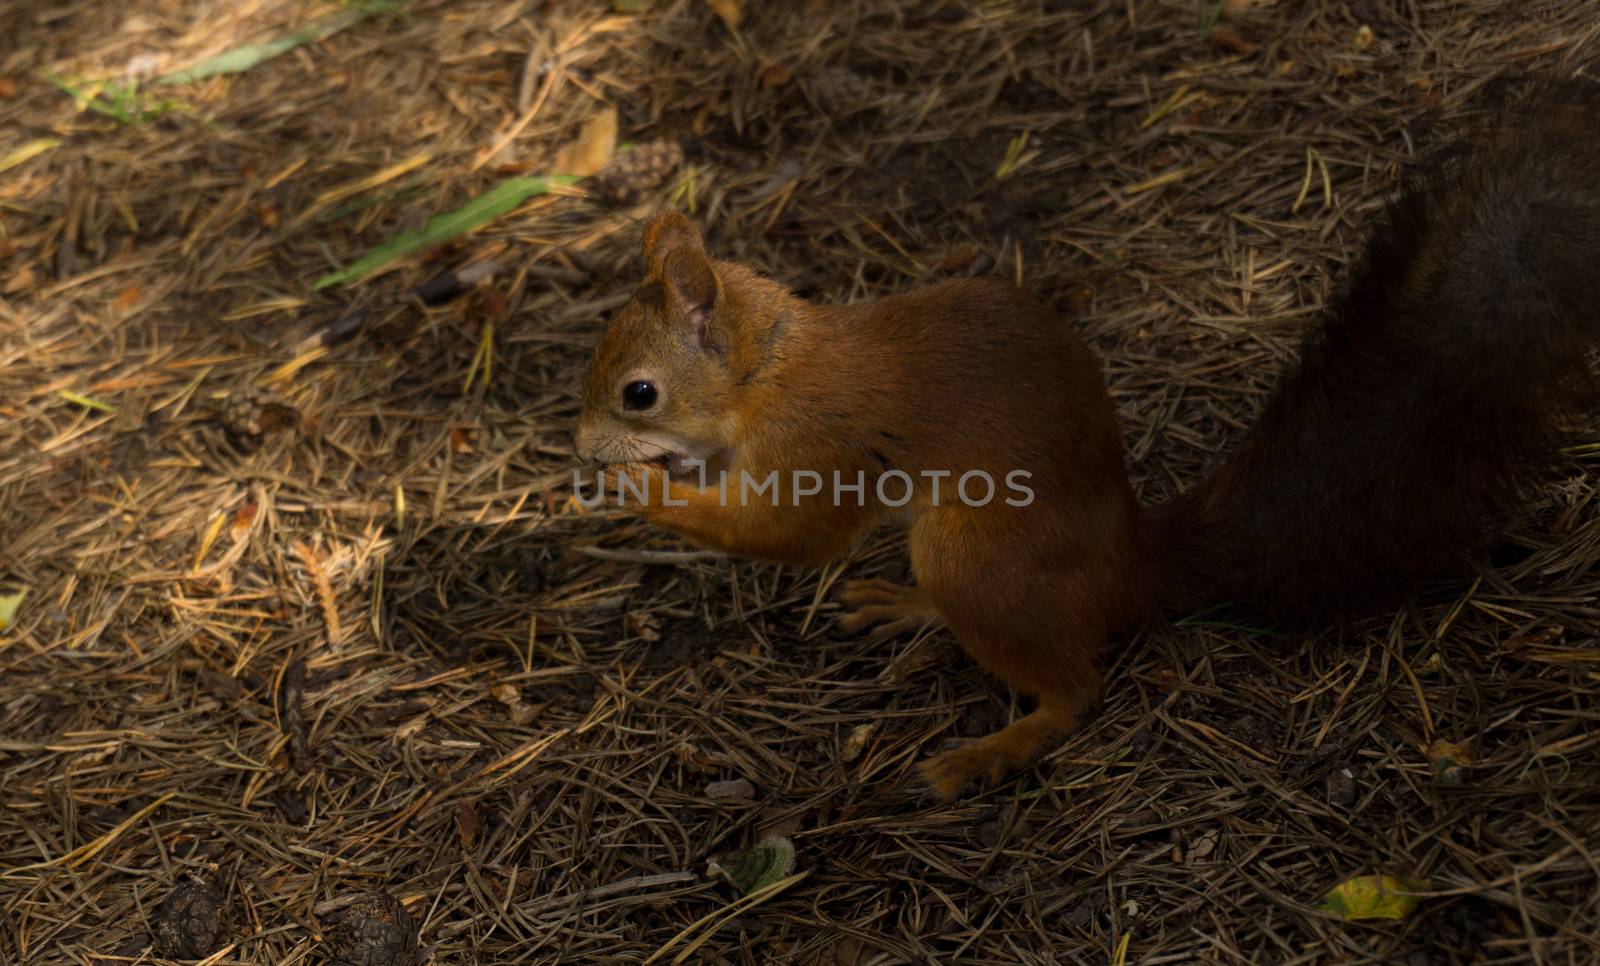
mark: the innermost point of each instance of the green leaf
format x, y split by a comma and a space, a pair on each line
240, 59
1373, 897
497, 201
8, 607
753, 869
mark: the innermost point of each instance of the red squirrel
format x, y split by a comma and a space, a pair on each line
1433, 387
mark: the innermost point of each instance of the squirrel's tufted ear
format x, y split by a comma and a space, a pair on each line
676, 253
667, 232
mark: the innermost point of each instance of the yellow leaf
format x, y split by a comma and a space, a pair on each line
594, 146
1448, 751
731, 11
1373, 897
8, 607
207, 539
86, 401
1448, 759
30, 150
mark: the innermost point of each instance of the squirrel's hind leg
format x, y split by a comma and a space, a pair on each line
1038, 616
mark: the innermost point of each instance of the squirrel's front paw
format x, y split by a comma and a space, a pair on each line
636, 485
894, 608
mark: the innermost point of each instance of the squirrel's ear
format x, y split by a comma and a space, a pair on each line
691, 279
667, 232
673, 246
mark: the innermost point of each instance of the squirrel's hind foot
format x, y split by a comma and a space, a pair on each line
993, 756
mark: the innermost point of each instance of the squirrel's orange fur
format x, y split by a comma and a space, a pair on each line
1432, 383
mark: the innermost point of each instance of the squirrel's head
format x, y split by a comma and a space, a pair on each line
659, 385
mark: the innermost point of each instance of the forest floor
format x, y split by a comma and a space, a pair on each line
303, 620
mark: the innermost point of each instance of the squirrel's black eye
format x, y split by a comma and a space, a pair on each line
639, 395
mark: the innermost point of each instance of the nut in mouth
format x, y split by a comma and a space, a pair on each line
669, 461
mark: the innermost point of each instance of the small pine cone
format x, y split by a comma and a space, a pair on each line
632, 173
840, 91
375, 930
250, 412
191, 924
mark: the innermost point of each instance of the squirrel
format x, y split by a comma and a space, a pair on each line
1433, 388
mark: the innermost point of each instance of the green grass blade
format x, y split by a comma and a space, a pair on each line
115, 100
88, 402
240, 59
497, 201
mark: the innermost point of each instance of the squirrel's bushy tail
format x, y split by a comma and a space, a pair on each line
1435, 386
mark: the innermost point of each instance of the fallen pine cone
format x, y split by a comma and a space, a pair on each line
249, 413
840, 91
632, 173
374, 930
191, 924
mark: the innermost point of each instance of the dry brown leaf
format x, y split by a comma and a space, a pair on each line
242, 518
468, 823
1165, 680
594, 146
775, 75
691, 755
856, 741
735, 791
643, 625
412, 728
1225, 39
20, 281
1537, 639
524, 714
521, 712
126, 298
